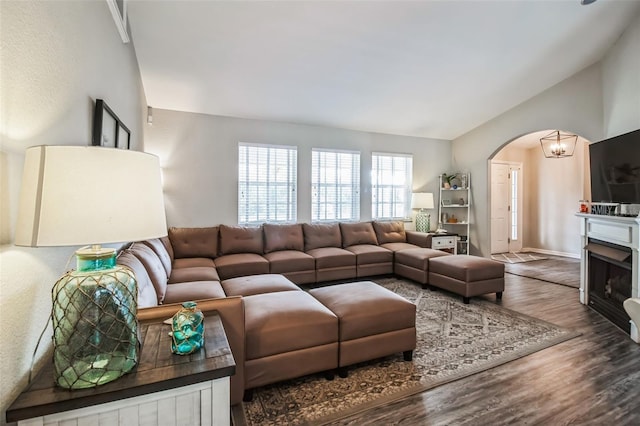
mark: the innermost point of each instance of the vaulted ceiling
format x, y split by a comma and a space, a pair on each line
433, 69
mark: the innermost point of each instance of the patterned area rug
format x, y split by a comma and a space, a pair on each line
454, 341
516, 257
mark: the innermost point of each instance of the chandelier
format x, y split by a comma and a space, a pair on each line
558, 144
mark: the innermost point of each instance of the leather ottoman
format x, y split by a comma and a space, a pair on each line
467, 275
288, 334
413, 263
374, 322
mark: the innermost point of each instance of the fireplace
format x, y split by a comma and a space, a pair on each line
609, 280
609, 266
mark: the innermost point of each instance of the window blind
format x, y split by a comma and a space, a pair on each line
267, 183
391, 182
335, 185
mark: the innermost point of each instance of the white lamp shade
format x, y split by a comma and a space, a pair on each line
79, 195
422, 200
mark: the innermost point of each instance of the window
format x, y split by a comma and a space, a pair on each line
514, 204
267, 178
335, 180
391, 176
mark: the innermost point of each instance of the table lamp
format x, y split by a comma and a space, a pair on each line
77, 195
422, 201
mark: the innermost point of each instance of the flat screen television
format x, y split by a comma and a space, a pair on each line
615, 169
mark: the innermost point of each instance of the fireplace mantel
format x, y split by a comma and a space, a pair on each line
624, 231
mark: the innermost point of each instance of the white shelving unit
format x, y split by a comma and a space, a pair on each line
453, 209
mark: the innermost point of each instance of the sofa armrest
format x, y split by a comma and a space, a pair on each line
231, 311
422, 239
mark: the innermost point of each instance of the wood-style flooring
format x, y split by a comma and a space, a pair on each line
555, 269
593, 379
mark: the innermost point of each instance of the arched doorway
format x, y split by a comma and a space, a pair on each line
533, 199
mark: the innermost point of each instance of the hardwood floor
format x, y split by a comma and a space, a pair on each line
593, 379
555, 269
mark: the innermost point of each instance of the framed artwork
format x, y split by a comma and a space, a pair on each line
108, 130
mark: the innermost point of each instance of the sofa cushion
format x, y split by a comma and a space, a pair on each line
357, 233
286, 321
167, 245
237, 265
193, 262
257, 284
147, 296
284, 261
153, 266
194, 242
421, 239
318, 235
394, 247
159, 248
418, 258
240, 239
332, 257
367, 254
282, 237
390, 232
194, 273
195, 290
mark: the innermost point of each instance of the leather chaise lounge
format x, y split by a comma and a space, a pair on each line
250, 275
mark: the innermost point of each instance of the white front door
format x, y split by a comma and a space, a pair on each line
515, 207
500, 191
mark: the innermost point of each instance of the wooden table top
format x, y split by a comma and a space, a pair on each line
158, 369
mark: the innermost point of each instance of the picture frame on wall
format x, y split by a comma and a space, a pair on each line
108, 130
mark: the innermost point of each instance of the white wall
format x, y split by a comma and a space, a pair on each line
56, 59
551, 188
601, 101
573, 105
621, 83
554, 188
513, 154
199, 156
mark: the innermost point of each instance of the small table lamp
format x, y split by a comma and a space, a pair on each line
77, 195
422, 201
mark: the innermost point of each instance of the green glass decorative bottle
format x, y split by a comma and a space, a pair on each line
187, 330
95, 329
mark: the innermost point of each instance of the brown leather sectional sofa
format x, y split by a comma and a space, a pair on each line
204, 264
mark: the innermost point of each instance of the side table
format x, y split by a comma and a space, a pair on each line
164, 389
445, 242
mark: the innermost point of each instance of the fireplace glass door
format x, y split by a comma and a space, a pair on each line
610, 283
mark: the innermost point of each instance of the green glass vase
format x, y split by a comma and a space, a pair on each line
95, 329
187, 335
